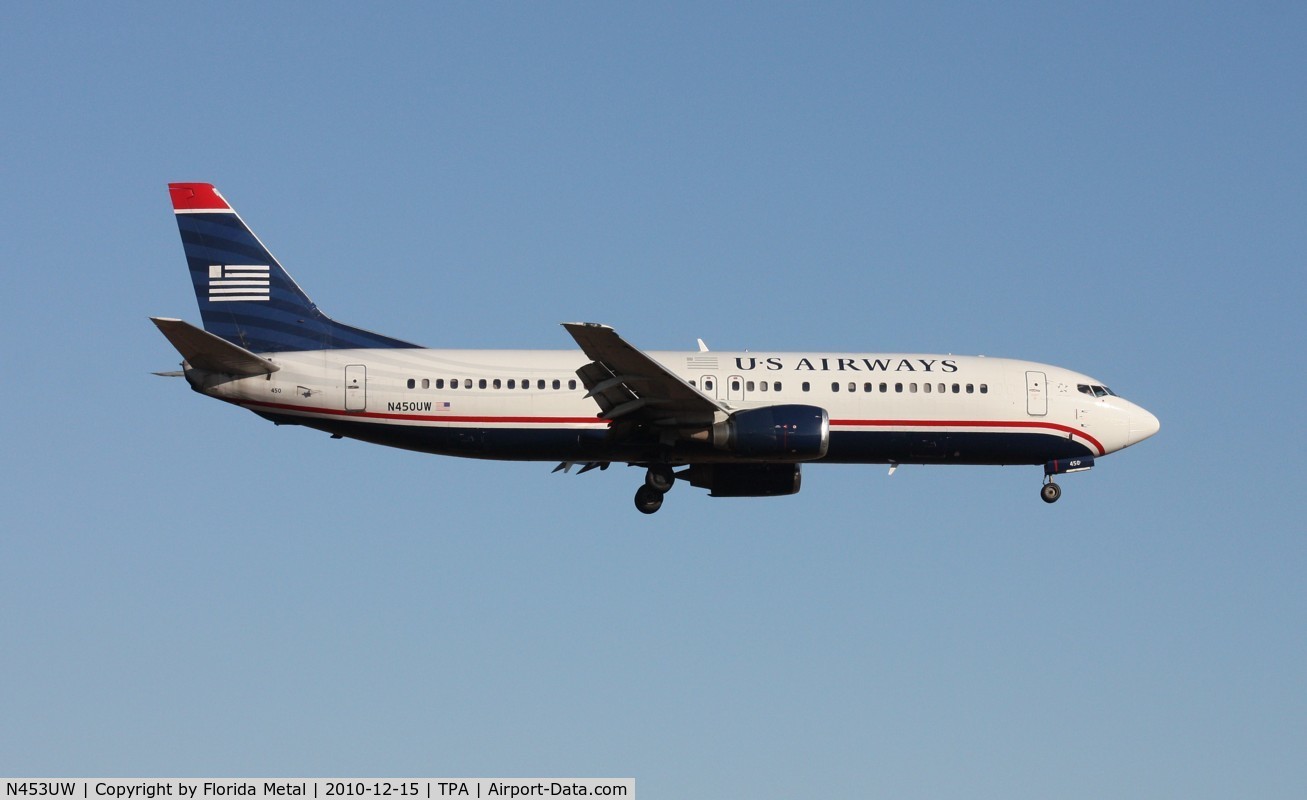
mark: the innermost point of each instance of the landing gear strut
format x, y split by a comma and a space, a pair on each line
1059, 466
657, 482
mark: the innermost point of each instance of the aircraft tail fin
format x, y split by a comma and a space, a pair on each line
203, 350
245, 295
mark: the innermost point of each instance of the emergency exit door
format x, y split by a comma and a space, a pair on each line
708, 385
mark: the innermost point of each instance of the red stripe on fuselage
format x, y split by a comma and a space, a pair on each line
846, 423
335, 412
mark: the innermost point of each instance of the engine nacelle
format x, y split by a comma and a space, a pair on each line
745, 480
780, 433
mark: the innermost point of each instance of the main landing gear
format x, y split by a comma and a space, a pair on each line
658, 481
1051, 492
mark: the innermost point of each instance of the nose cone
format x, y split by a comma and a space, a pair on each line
1142, 425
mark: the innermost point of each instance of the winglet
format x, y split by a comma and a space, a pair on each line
203, 350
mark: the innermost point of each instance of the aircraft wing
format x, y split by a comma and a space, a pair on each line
631, 387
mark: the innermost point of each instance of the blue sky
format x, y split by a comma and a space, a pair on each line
187, 590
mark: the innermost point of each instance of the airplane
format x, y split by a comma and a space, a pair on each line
739, 424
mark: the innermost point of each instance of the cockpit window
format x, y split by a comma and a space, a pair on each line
1095, 390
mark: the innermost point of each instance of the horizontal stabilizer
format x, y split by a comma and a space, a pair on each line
204, 350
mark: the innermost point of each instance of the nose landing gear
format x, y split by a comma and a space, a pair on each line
1051, 491
658, 481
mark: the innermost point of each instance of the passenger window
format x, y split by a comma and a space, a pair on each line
884, 387
806, 386
411, 383
926, 386
440, 383
956, 389
776, 387
467, 383
971, 388
540, 384
867, 387
512, 383
853, 387
557, 383
912, 387
571, 384
481, 384
834, 387
942, 388
748, 386
984, 388
762, 385
426, 383
898, 387
735, 384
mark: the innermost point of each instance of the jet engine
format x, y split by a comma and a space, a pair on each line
775, 433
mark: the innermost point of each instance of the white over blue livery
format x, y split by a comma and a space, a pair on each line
737, 424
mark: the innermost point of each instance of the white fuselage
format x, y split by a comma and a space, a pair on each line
530, 405
737, 424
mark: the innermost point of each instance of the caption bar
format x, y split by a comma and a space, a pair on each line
268, 788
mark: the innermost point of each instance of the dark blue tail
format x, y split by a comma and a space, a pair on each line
244, 294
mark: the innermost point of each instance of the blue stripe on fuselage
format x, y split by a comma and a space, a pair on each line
582, 444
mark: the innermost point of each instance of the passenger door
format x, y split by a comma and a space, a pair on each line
356, 388
1036, 394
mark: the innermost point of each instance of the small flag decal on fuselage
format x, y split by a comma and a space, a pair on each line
228, 282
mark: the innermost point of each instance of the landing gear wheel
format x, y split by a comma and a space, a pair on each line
660, 478
648, 499
1050, 492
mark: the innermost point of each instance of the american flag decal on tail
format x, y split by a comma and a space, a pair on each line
228, 282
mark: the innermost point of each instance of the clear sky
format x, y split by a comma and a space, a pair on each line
1119, 189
